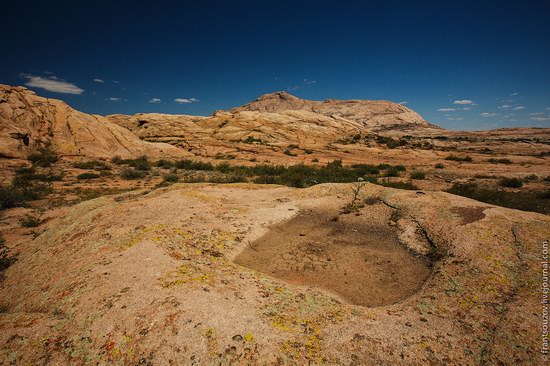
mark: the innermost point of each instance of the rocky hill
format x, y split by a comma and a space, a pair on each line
28, 120
277, 118
369, 113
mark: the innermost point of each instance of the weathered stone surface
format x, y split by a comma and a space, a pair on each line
27, 120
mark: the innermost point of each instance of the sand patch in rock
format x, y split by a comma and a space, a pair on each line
355, 257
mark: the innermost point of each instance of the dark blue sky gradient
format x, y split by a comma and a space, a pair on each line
226, 53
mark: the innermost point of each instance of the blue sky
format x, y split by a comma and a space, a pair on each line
461, 64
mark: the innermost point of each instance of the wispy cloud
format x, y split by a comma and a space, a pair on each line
154, 100
455, 118
99, 81
487, 114
514, 94
404, 102
463, 101
518, 108
540, 118
536, 114
51, 83
309, 82
115, 99
505, 106
446, 109
185, 100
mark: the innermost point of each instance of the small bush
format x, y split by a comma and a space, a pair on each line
459, 158
171, 178
45, 156
30, 221
92, 164
193, 165
140, 163
439, 166
400, 185
117, 160
288, 152
521, 200
499, 161
164, 164
418, 175
129, 174
532, 177
392, 172
88, 175
511, 182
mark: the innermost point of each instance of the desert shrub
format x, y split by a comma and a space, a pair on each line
532, 177
439, 166
117, 160
25, 174
288, 152
227, 179
365, 169
400, 185
193, 165
20, 191
44, 156
499, 161
314, 160
129, 174
87, 175
511, 182
459, 158
164, 164
140, 163
308, 151
251, 140
30, 221
545, 195
92, 164
171, 178
521, 200
293, 146
418, 175
392, 172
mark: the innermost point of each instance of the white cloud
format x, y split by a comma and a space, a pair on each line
519, 107
505, 106
466, 109
540, 118
404, 102
463, 101
99, 81
514, 94
154, 100
536, 114
185, 100
455, 118
52, 84
446, 109
309, 82
114, 99
486, 114
116, 81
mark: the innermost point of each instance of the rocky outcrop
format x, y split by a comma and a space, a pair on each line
369, 113
28, 120
277, 118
